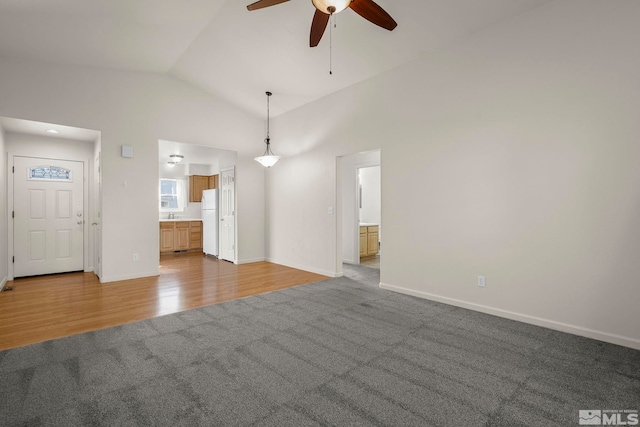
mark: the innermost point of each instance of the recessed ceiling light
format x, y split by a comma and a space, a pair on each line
53, 131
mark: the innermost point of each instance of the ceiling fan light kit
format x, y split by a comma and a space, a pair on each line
368, 9
331, 6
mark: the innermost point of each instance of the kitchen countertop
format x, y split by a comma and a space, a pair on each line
179, 219
367, 224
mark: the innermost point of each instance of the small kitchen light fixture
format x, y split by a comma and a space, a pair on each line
171, 163
267, 159
52, 131
176, 158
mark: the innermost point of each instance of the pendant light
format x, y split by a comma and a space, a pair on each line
268, 159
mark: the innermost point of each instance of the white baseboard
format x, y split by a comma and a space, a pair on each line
525, 318
305, 268
108, 279
249, 261
3, 282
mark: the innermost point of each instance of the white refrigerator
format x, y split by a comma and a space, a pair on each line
210, 222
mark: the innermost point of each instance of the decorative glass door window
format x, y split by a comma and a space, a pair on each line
48, 173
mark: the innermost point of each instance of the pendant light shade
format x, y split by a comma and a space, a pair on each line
267, 159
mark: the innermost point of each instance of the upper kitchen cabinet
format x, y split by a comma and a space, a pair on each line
213, 181
199, 183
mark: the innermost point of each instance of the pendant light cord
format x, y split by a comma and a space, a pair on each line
268, 139
268, 96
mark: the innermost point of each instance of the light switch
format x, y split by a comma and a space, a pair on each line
330, 210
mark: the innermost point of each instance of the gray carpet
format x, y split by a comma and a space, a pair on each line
340, 352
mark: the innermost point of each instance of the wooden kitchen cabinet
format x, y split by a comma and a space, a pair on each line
195, 235
180, 236
166, 236
213, 181
368, 241
199, 183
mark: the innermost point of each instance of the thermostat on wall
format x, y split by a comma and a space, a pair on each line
127, 151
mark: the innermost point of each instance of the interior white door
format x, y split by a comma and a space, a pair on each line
228, 215
97, 209
48, 221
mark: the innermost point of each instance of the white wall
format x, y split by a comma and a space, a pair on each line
370, 195
138, 109
4, 270
513, 155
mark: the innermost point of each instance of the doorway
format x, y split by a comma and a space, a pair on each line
51, 176
48, 212
198, 168
360, 208
369, 215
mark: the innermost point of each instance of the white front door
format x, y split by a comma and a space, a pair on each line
228, 215
48, 216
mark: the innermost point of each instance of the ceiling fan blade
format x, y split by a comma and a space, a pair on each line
373, 13
318, 25
264, 3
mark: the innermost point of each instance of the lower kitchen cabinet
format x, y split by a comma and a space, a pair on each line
195, 234
166, 236
180, 236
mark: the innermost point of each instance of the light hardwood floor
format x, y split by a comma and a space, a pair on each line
48, 307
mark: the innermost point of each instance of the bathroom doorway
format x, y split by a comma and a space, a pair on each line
369, 215
361, 208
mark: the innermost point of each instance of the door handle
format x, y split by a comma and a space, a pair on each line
80, 222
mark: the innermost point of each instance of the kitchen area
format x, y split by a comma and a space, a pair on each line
189, 197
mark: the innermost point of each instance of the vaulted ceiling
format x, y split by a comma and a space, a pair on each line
222, 48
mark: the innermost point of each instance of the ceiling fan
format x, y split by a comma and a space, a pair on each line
368, 9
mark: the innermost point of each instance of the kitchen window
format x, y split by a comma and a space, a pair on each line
172, 195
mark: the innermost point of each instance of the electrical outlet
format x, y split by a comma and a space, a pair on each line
136, 257
482, 281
